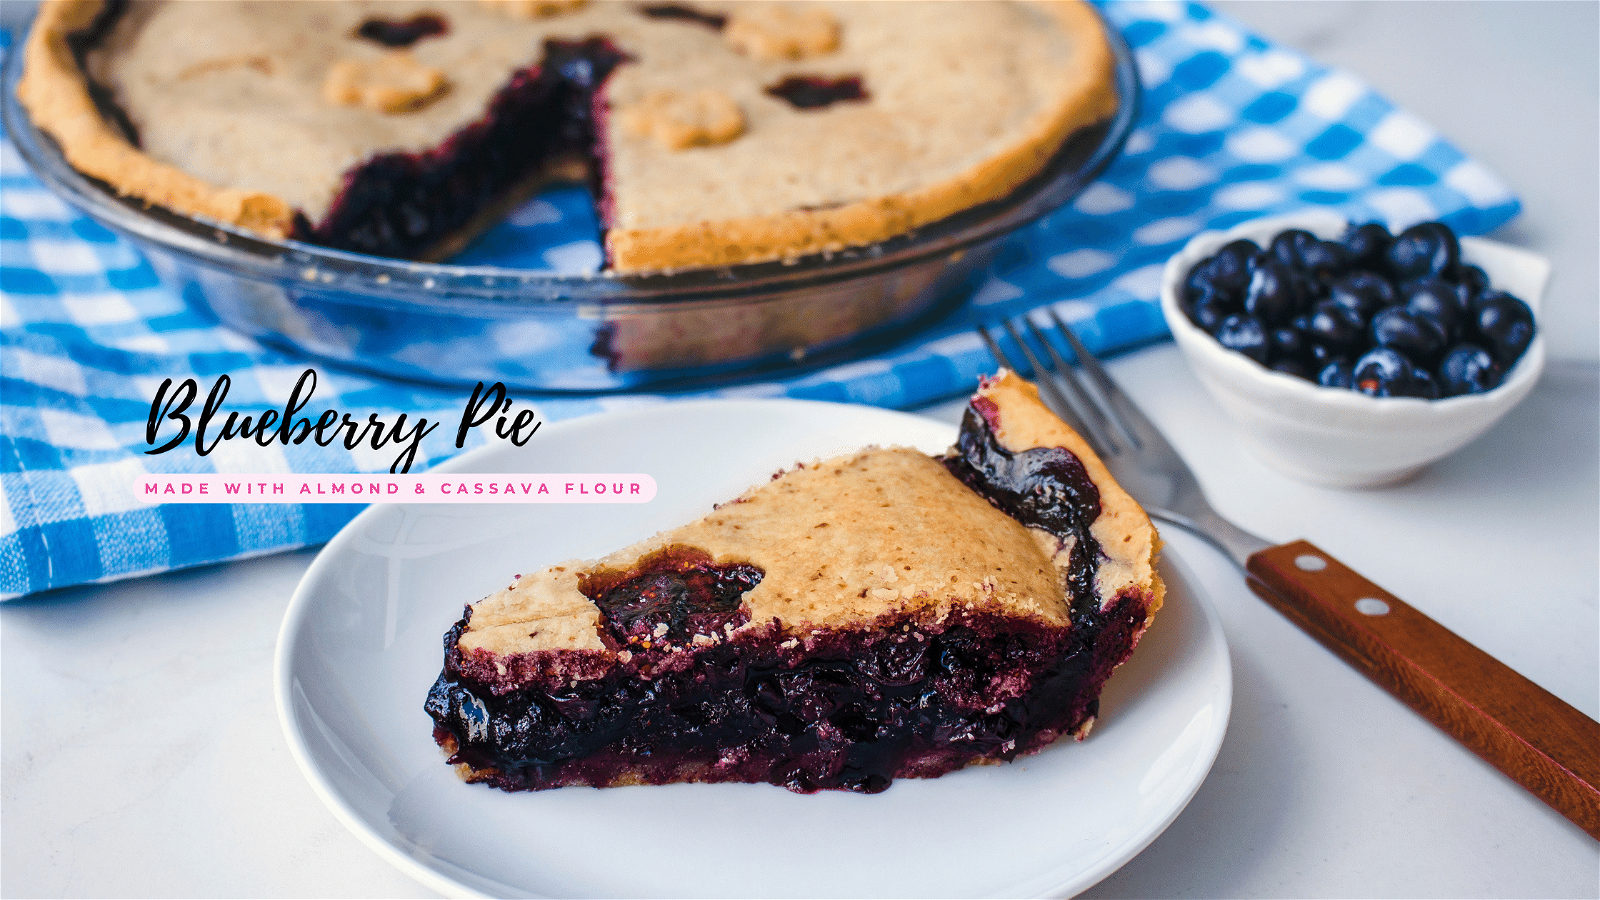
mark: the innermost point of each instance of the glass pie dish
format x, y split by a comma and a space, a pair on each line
460, 324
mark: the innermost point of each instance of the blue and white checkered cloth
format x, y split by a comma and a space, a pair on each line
1232, 127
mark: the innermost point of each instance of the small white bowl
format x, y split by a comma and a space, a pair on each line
1337, 437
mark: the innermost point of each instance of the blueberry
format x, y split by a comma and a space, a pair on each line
1236, 259
1309, 290
1321, 354
1429, 248
1244, 334
1468, 369
1289, 247
1422, 322
1465, 297
1324, 260
1335, 325
1435, 299
1273, 295
1287, 341
1422, 384
1303, 347
1505, 324
1382, 373
1364, 292
1337, 373
1368, 245
1398, 329
1226, 272
1197, 283
1209, 310
1474, 279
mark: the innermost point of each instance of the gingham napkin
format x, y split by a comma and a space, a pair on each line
1231, 127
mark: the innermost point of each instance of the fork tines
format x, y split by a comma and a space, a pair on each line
1070, 391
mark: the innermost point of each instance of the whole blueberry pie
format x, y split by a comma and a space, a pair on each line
712, 133
878, 615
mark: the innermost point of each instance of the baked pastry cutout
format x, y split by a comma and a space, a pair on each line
777, 32
880, 615
392, 83
952, 104
680, 121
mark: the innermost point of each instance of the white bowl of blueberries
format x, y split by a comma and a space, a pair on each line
1351, 355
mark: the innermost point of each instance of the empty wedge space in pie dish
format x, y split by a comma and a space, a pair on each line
736, 290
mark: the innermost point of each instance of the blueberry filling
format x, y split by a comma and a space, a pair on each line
604, 345
1045, 488
851, 710
825, 723
403, 204
813, 92
848, 717
402, 32
679, 13
103, 98
670, 597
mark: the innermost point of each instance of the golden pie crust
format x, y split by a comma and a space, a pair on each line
965, 101
884, 534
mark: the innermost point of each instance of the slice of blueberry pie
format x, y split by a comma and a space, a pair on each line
879, 615
712, 132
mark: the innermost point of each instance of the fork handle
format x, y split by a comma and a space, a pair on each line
1540, 741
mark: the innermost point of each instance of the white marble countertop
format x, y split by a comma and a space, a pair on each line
142, 754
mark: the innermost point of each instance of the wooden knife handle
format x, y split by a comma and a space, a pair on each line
1544, 744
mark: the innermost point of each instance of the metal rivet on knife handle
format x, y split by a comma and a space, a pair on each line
1308, 563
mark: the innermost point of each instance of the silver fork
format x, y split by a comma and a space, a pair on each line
1537, 739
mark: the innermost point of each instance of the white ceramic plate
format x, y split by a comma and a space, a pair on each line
362, 642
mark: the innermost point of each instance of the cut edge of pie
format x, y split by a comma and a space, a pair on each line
1088, 98
879, 615
62, 101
